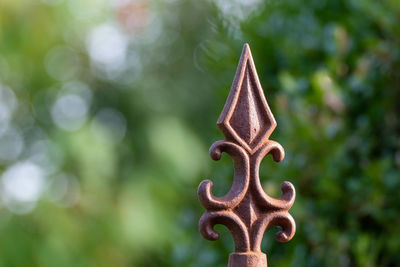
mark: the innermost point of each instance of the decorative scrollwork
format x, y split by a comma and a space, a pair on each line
240, 180
246, 210
288, 192
283, 219
232, 222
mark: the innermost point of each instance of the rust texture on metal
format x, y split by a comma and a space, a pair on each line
246, 210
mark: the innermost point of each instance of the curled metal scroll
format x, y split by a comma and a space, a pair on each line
246, 210
288, 192
240, 180
282, 219
232, 222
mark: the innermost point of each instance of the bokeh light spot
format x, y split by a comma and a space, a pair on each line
21, 186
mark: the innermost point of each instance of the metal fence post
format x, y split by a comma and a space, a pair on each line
246, 210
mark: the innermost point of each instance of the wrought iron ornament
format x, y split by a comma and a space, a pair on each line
246, 210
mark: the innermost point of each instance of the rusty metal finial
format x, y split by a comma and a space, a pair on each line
246, 210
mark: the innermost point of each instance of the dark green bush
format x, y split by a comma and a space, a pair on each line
119, 164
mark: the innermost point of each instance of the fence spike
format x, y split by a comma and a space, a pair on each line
246, 210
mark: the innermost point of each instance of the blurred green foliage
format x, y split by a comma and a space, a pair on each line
107, 110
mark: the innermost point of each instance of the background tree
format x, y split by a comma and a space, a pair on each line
107, 110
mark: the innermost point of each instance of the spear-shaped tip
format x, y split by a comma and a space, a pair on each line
246, 53
246, 47
246, 118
